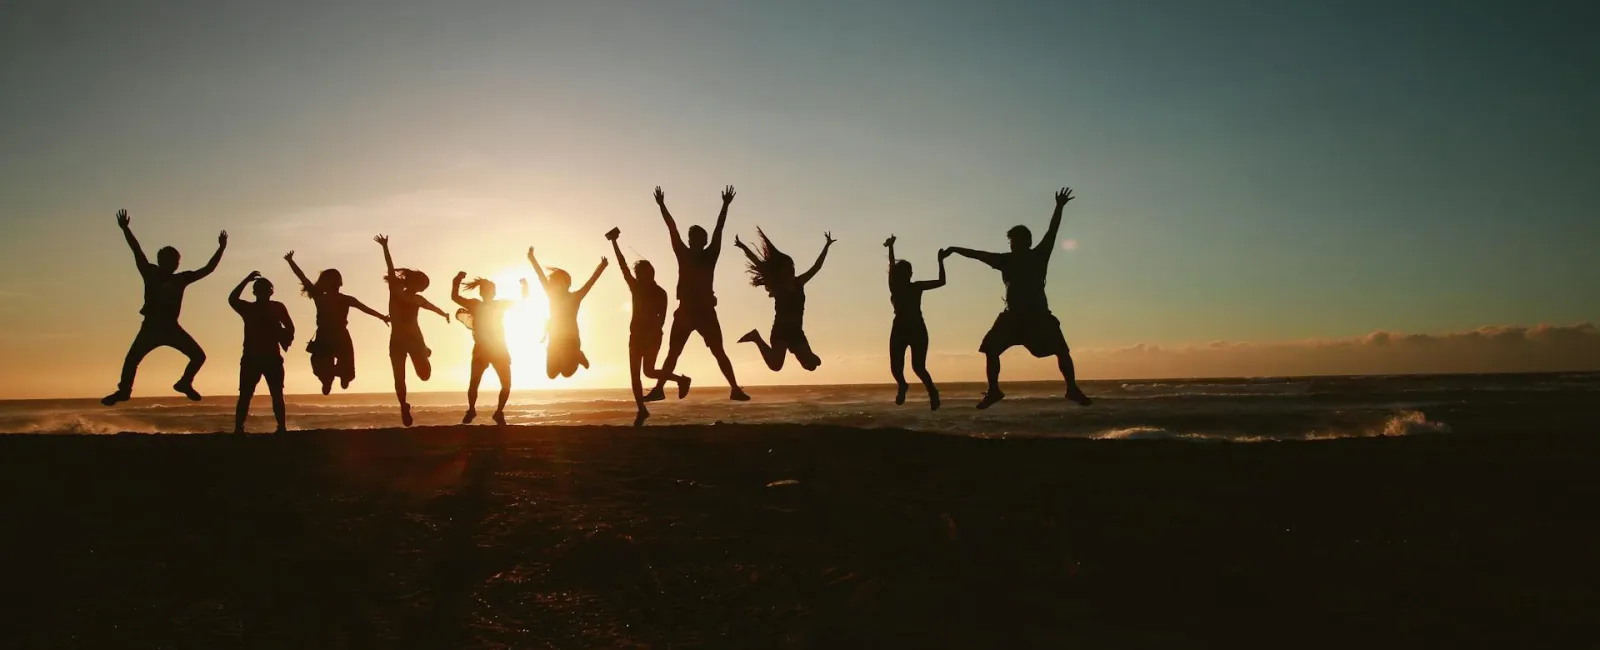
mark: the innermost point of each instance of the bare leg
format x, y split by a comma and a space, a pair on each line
502, 369
897, 367
634, 361
143, 343
478, 366
919, 365
992, 368
1064, 362
397, 364
773, 354
248, 377
676, 340
197, 358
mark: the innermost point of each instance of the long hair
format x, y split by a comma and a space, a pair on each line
328, 281
772, 266
410, 280
899, 274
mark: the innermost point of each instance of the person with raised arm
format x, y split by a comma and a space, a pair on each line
909, 330
644, 330
164, 285
1026, 320
486, 317
333, 354
405, 333
774, 269
268, 331
697, 298
564, 350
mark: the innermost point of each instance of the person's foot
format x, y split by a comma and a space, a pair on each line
499, 418
471, 413
738, 395
405, 414
280, 429
114, 398
583, 360
1076, 394
933, 400
238, 431
188, 390
657, 394
900, 394
638, 419
683, 387
750, 336
327, 386
344, 383
991, 398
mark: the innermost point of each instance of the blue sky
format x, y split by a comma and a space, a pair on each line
1248, 171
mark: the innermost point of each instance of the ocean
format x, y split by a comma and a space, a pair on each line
1239, 410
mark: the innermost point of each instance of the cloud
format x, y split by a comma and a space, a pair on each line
1486, 349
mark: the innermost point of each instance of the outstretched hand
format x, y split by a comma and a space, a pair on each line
829, 237
737, 243
446, 316
728, 194
222, 238
123, 219
531, 258
889, 242
383, 240
604, 261
1064, 195
661, 197
943, 253
289, 257
460, 275
253, 275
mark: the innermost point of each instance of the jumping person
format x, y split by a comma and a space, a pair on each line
486, 316
909, 330
267, 331
1027, 320
564, 352
774, 270
644, 331
333, 354
697, 299
405, 334
163, 299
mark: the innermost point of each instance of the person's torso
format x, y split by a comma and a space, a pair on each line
263, 328
333, 311
402, 311
563, 312
163, 296
696, 275
649, 308
1024, 275
907, 301
488, 323
789, 303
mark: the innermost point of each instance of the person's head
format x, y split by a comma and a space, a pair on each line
697, 238
167, 259
409, 280
560, 279
900, 273
262, 288
484, 286
644, 271
329, 281
1021, 238
772, 267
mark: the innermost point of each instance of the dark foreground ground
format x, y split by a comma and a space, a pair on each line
673, 538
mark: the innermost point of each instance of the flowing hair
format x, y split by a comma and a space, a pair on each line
328, 281
477, 283
771, 267
409, 279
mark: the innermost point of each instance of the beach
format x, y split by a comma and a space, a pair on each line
774, 536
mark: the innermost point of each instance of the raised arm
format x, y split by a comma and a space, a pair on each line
455, 291
672, 226
543, 281
627, 274
126, 224
806, 277
889, 244
236, 298
368, 310
211, 265
935, 284
748, 254
1047, 244
592, 278
992, 259
311, 289
722, 220
388, 260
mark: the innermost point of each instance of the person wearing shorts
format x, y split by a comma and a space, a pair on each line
697, 300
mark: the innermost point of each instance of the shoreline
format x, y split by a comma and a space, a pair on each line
794, 536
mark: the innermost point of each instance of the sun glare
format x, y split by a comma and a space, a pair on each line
525, 323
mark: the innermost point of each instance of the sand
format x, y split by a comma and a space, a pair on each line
794, 537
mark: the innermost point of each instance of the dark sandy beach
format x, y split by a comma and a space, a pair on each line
688, 537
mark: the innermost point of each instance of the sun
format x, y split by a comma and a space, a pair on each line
525, 323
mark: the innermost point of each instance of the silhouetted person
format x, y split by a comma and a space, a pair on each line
697, 298
268, 331
405, 334
486, 316
564, 351
1027, 320
774, 270
644, 332
909, 330
333, 354
163, 299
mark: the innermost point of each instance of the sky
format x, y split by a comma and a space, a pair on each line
1259, 182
